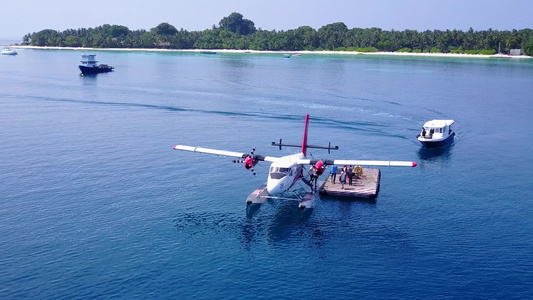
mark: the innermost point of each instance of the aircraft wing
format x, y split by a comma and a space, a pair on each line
387, 163
225, 153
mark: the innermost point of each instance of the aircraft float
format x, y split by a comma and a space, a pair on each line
286, 173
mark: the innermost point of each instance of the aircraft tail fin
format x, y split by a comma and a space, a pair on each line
304, 145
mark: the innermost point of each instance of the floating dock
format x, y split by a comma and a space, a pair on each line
366, 186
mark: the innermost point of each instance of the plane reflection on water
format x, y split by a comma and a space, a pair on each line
280, 225
283, 226
288, 218
303, 213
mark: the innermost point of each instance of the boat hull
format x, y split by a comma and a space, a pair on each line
95, 70
435, 144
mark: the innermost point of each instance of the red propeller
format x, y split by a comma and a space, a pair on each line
249, 162
319, 168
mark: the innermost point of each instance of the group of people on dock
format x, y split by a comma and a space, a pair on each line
348, 174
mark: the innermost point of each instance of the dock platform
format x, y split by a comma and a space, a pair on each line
367, 186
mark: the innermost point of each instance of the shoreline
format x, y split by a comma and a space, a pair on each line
278, 52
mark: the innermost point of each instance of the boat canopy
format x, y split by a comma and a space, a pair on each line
438, 124
88, 58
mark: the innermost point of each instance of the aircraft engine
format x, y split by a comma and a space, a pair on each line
249, 162
319, 168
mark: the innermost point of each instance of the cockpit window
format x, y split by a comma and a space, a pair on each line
278, 173
279, 170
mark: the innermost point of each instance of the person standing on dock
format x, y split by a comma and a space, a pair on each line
333, 173
343, 178
313, 177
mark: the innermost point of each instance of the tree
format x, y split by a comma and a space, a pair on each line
262, 40
165, 29
236, 24
72, 41
511, 42
302, 38
47, 37
385, 45
332, 36
528, 48
371, 37
117, 31
26, 39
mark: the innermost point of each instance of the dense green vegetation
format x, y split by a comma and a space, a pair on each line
235, 32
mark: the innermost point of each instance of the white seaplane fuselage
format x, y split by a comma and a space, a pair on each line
284, 173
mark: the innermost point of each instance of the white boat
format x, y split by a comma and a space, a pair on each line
436, 133
8, 51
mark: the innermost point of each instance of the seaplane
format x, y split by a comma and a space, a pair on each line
287, 176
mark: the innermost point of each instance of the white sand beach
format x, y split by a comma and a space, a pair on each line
280, 52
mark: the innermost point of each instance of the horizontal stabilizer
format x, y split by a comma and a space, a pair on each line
329, 147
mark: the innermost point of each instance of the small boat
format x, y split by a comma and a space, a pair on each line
90, 66
208, 52
8, 51
286, 55
436, 133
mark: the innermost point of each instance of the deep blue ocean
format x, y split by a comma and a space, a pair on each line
95, 203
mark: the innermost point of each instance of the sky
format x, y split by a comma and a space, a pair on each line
20, 17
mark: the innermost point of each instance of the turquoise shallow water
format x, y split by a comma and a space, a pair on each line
96, 204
